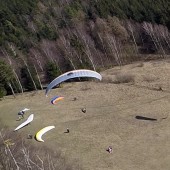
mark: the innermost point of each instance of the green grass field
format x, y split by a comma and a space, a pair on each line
109, 120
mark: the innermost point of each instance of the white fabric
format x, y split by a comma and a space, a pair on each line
73, 74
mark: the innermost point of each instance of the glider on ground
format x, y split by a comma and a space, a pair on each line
73, 74
29, 120
41, 132
24, 110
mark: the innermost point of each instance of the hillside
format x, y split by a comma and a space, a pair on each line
110, 120
42, 39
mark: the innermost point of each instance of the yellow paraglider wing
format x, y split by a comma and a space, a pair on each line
41, 132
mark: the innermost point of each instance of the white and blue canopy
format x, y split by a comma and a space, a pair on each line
73, 74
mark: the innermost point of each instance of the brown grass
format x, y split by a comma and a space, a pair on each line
109, 121
16, 152
124, 78
149, 79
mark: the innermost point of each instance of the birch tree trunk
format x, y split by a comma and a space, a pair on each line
38, 77
9, 150
150, 31
63, 40
112, 45
16, 76
88, 53
133, 36
12, 90
104, 48
30, 74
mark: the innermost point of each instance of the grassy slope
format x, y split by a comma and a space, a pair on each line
109, 120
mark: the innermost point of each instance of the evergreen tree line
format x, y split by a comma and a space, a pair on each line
17, 14
28, 78
42, 39
138, 10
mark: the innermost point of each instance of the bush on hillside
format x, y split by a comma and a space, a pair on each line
27, 80
124, 78
3, 92
52, 70
17, 154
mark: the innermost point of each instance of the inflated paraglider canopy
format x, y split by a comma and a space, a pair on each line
73, 74
41, 132
56, 99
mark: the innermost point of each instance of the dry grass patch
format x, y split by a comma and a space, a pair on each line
149, 78
16, 153
109, 121
124, 78
137, 65
140, 65
108, 79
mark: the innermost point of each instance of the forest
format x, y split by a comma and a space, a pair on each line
41, 39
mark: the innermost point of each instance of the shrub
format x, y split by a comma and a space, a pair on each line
52, 70
149, 78
17, 154
27, 81
3, 92
47, 32
124, 78
6, 77
107, 79
140, 65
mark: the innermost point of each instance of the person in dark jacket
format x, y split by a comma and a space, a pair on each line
21, 113
68, 130
83, 110
109, 149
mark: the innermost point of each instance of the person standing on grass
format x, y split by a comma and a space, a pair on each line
68, 130
109, 149
21, 114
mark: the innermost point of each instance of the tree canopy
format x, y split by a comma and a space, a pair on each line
42, 38
6, 74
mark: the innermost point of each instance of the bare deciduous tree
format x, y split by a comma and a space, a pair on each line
69, 55
152, 32
15, 74
29, 72
131, 29
16, 154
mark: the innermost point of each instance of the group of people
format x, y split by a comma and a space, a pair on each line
21, 116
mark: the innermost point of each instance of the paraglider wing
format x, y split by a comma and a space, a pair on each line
41, 132
72, 74
56, 99
24, 110
29, 120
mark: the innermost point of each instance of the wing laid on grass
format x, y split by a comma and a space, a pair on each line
73, 74
41, 132
29, 120
24, 110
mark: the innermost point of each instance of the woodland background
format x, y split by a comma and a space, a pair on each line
41, 39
